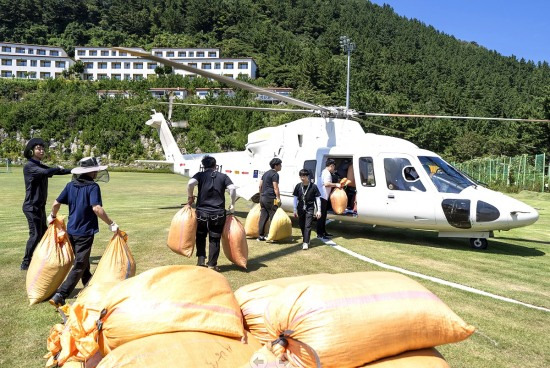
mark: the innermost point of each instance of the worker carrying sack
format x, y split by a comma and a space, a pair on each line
252, 222
351, 319
117, 262
51, 262
424, 358
234, 242
280, 227
183, 231
339, 200
183, 349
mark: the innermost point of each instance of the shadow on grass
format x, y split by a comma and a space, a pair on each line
95, 259
425, 238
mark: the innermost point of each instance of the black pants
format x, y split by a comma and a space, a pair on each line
267, 210
82, 246
321, 231
37, 228
211, 225
305, 218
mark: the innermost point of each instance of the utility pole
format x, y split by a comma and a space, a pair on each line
347, 46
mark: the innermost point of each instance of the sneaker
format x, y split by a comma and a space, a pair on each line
305, 246
57, 300
201, 261
214, 268
24, 266
327, 235
261, 238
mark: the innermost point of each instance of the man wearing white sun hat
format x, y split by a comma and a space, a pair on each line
83, 196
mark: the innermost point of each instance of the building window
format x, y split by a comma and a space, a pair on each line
122, 53
138, 76
89, 65
54, 53
21, 74
194, 65
88, 76
158, 53
182, 54
104, 53
113, 53
170, 54
102, 65
243, 65
81, 52
21, 62
212, 54
6, 74
200, 53
116, 65
30, 51
127, 77
116, 76
20, 50
228, 65
60, 64
41, 52
6, 49
151, 65
93, 53
45, 63
33, 62
206, 66
45, 75
126, 65
102, 76
217, 66
32, 75
191, 54
6, 61
138, 66
229, 76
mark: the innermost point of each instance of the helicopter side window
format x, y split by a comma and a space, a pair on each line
366, 170
401, 175
310, 165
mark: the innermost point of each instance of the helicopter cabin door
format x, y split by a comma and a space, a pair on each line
407, 199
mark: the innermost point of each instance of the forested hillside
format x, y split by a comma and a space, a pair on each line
399, 66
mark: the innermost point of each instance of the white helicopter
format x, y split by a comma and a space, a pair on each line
398, 184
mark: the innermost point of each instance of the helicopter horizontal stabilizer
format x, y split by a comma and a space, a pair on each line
157, 162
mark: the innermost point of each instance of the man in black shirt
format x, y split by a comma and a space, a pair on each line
210, 209
306, 198
36, 176
270, 198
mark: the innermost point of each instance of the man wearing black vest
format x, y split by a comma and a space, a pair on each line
270, 198
36, 176
210, 209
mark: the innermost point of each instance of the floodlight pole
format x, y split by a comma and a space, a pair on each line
347, 46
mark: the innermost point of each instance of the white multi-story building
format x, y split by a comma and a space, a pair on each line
103, 62
32, 61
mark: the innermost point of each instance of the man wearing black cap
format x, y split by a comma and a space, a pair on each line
270, 198
36, 176
83, 196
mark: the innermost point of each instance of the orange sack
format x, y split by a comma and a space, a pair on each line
183, 349
252, 222
234, 242
51, 262
339, 200
117, 262
424, 358
351, 319
161, 300
254, 298
183, 231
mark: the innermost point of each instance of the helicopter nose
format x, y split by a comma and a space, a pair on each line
523, 215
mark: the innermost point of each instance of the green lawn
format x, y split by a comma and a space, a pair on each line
516, 265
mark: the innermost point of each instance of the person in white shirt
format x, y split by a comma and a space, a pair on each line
326, 189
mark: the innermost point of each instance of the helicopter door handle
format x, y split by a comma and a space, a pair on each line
391, 196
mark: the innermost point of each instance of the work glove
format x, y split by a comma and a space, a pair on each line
50, 218
318, 215
231, 208
113, 227
277, 202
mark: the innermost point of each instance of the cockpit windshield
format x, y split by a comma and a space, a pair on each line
446, 178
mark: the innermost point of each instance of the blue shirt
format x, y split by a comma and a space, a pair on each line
81, 198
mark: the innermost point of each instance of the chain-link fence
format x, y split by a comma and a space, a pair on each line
525, 172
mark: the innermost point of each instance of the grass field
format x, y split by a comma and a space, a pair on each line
516, 265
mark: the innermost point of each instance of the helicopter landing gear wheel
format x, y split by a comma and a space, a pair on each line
479, 243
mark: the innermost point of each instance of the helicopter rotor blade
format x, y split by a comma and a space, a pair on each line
223, 79
170, 103
249, 108
450, 117
380, 126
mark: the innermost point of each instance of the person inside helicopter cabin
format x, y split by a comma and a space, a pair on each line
210, 209
270, 198
306, 198
342, 172
325, 189
36, 176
